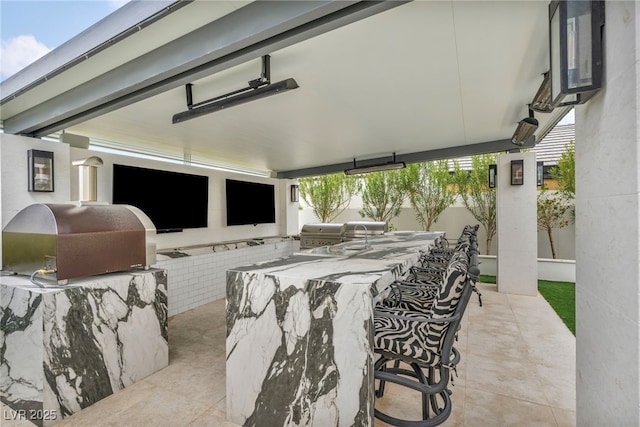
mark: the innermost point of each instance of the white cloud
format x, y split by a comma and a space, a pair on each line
18, 52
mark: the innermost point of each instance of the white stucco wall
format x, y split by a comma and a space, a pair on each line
14, 194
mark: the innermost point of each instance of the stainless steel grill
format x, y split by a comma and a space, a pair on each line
78, 240
354, 230
320, 234
323, 234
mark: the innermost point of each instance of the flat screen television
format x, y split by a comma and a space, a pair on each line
250, 203
173, 201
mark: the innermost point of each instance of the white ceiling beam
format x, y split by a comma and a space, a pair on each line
422, 156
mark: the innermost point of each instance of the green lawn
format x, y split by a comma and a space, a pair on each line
560, 295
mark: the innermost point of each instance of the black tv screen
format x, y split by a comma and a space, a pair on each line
173, 201
250, 203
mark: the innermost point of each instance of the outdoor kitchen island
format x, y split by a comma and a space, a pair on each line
63, 348
300, 332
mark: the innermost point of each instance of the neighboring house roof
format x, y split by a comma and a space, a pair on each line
549, 150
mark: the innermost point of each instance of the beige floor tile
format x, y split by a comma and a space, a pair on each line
564, 418
505, 376
490, 409
559, 385
213, 417
206, 386
147, 406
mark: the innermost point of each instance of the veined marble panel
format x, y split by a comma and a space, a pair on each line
300, 332
64, 348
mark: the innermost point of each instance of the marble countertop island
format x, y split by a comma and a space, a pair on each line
300, 332
63, 348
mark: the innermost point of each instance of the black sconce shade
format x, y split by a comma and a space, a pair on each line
493, 173
540, 174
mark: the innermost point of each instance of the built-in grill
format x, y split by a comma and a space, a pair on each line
320, 234
72, 240
354, 230
323, 234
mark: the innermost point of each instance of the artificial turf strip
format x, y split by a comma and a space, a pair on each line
487, 279
561, 296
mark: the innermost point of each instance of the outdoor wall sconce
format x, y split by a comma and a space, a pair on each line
517, 172
540, 174
493, 173
525, 130
575, 36
40, 170
295, 193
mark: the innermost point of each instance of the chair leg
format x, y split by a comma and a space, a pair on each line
436, 406
380, 391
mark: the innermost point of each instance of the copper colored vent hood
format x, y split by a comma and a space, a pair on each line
77, 240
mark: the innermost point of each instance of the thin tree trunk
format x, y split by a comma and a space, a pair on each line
553, 251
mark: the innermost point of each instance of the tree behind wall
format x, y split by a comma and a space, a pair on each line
328, 195
383, 195
553, 212
555, 209
429, 186
477, 197
565, 172
565, 175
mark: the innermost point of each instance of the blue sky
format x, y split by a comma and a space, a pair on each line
31, 28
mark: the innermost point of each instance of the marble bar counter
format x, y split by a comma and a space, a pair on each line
300, 332
63, 348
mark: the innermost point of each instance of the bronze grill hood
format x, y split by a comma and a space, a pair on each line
78, 240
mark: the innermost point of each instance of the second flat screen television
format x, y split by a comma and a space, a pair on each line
250, 203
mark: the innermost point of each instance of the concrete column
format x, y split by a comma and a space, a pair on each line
517, 230
608, 234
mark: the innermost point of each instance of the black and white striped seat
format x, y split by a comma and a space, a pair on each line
410, 336
424, 341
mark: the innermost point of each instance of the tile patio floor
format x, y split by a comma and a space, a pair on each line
517, 369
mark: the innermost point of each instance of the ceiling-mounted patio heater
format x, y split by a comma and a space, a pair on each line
575, 36
256, 89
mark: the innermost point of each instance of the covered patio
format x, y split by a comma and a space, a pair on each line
441, 96
517, 368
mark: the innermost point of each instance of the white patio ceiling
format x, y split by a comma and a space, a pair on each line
423, 79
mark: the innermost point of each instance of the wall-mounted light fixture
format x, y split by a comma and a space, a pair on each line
378, 167
575, 37
539, 174
517, 172
493, 173
525, 130
295, 193
40, 170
